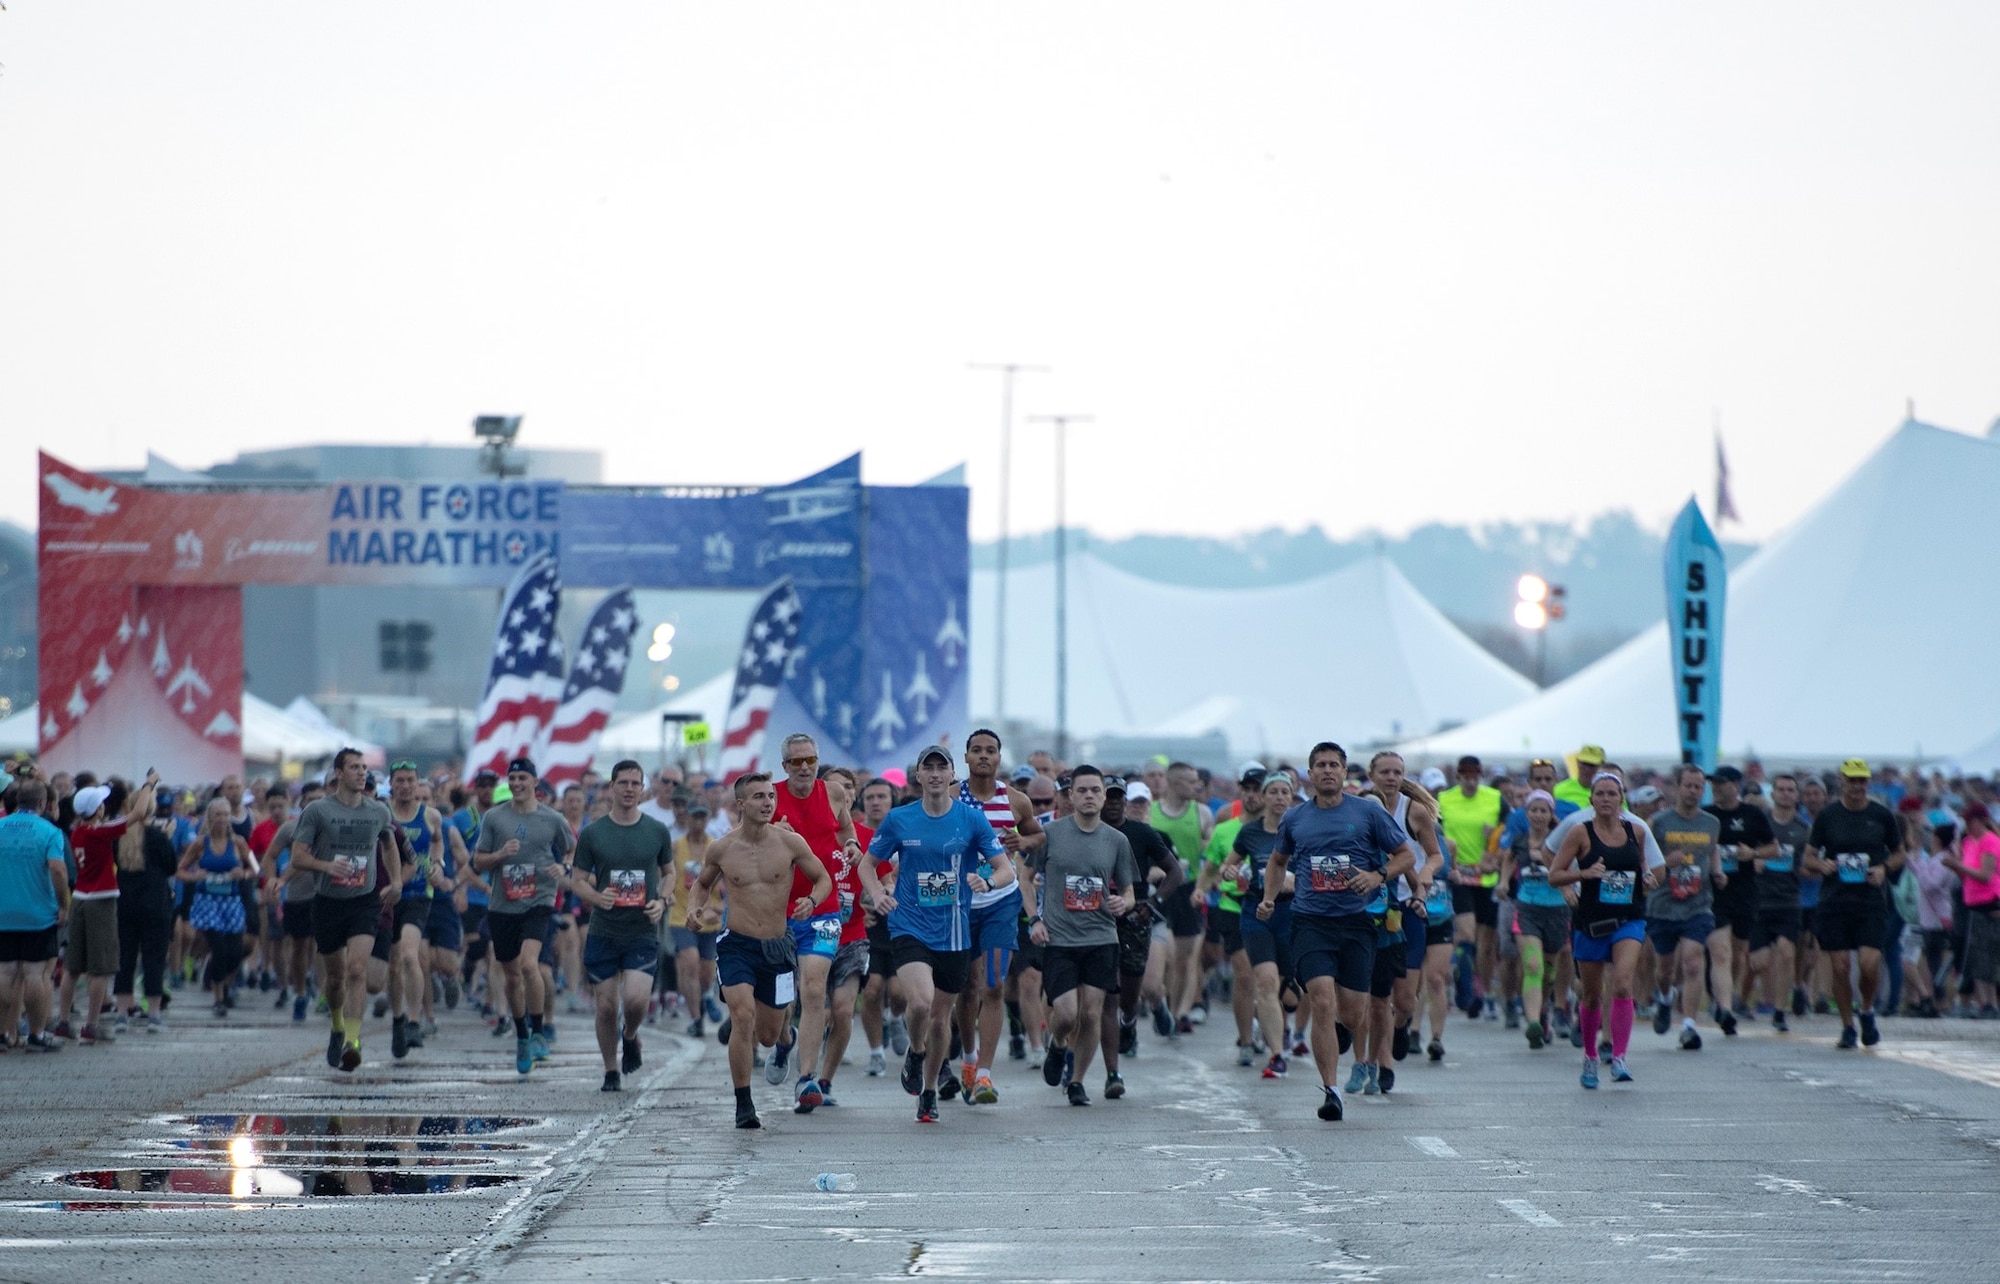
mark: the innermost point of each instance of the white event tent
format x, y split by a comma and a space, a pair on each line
270, 734
1859, 631
1358, 656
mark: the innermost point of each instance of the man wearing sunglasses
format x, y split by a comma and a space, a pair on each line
821, 812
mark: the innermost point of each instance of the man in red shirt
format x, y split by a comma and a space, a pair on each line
103, 814
817, 811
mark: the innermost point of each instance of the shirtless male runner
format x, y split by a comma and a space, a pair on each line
755, 958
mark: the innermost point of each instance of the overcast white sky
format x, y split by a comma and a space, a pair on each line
1509, 258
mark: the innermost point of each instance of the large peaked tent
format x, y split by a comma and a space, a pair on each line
1358, 656
1863, 629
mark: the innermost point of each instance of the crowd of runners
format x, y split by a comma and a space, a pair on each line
961, 913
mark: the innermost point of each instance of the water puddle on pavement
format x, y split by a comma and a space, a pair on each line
260, 1180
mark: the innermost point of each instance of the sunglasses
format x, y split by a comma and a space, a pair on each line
401, 764
802, 762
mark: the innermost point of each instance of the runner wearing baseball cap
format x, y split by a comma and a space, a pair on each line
1855, 844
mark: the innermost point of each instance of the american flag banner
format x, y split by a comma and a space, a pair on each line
524, 686
596, 678
770, 651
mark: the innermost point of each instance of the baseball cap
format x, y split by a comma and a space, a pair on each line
1644, 794
1136, 791
1731, 774
1023, 774
1977, 811
699, 809
90, 798
522, 764
1592, 754
1252, 768
486, 776
1856, 769
935, 751
503, 792
1432, 779
1116, 785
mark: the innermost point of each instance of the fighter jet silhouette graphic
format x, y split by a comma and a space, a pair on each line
70, 495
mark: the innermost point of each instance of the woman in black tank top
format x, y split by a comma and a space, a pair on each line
1606, 859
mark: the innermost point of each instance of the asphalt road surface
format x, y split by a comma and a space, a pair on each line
1765, 1158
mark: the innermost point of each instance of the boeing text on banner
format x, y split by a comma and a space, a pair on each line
524, 684
1697, 588
596, 679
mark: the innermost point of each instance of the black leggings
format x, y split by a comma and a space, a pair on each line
142, 945
225, 956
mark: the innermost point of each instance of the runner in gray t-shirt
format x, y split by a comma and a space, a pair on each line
521, 849
1680, 914
529, 876
1087, 871
338, 838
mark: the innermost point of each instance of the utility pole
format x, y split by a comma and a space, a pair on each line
1007, 369
1062, 423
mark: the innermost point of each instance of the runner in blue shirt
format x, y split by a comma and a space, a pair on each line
938, 844
1348, 850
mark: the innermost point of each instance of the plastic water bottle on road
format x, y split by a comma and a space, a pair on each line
834, 1181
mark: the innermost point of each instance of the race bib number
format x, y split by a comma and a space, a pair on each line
1782, 862
846, 903
218, 887
784, 989
627, 888
518, 882
1437, 903
826, 931
349, 871
1616, 888
1853, 866
1683, 882
937, 889
1083, 892
1728, 851
1329, 873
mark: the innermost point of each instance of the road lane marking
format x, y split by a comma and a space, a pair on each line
1434, 1146
1528, 1213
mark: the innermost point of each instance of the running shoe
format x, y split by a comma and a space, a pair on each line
1017, 1047
1821, 1007
1246, 1055
1575, 1034
1114, 1085
1798, 1001
120, 1023
983, 1092
502, 1027
1492, 1010
333, 1042
1727, 1020
1184, 1026
711, 1008
1198, 1014
451, 993
1052, 1067
632, 1059
299, 1009
549, 1033
538, 1044
1589, 1076
1604, 1052
878, 1065
1300, 1048
913, 1072
381, 1006
947, 1084
1436, 1051
524, 1056
1385, 1078
1077, 1095
806, 1096
61, 1030
1619, 1074
1559, 1022
1513, 1014
1330, 1109
1357, 1079
927, 1111
1690, 1039
695, 1030
350, 1055
91, 1034
774, 1069
43, 1042
155, 1024
1163, 1020
399, 1039
899, 1035
1534, 1032
1128, 1037
1663, 1016
1372, 1087
826, 1094
722, 1031
746, 1116
610, 1083
968, 1073
1870, 1036
1276, 1068
1069, 1066
1779, 1023
1345, 1035
1399, 1043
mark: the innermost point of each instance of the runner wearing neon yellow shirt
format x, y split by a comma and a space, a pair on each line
1469, 814
1576, 792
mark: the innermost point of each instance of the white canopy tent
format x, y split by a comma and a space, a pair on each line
1859, 631
270, 734
1358, 656
639, 734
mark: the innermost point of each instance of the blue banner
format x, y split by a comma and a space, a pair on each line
1697, 590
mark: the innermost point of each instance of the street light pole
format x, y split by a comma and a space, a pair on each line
1062, 423
1007, 369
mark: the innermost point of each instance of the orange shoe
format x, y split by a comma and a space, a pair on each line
983, 1092
968, 1073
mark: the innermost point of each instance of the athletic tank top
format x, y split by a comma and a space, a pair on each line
217, 863
1617, 894
999, 813
1401, 811
1184, 832
418, 886
812, 817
